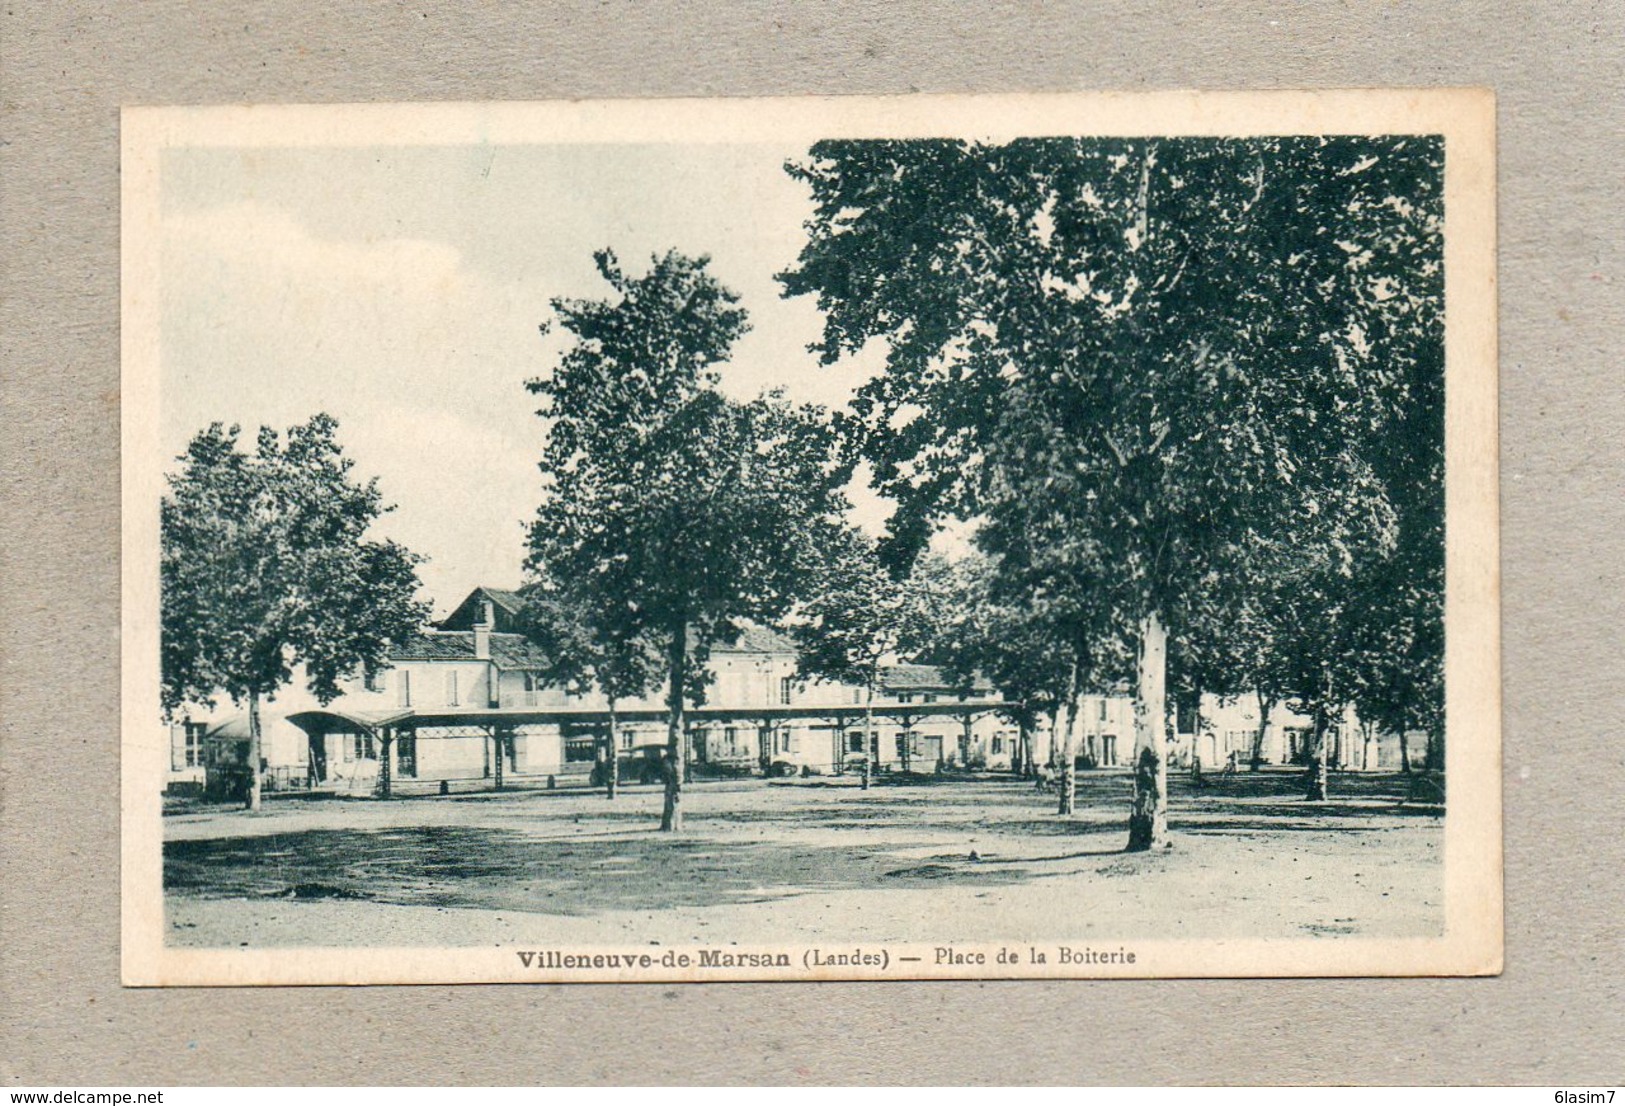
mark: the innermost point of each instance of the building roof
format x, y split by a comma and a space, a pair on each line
506, 604
924, 677
756, 639
507, 650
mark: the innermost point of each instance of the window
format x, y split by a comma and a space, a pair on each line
998, 744
1108, 749
929, 697
854, 743
580, 748
857, 696
905, 697
1103, 710
730, 740
786, 685
362, 743
451, 689
376, 680
193, 738
403, 687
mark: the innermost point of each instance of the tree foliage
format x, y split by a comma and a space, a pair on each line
1183, 362
266, 568
855, 616
681, 512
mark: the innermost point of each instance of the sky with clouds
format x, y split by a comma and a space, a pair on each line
400, 290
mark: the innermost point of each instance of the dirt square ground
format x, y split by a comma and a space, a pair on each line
985, 859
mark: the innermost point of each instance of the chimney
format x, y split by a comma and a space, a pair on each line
482, 631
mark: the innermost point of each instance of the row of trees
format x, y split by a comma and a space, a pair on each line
1187, 393
1190, 390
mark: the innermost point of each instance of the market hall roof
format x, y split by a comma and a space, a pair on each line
235, 728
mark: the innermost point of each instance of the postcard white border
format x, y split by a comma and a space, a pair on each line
1472, 943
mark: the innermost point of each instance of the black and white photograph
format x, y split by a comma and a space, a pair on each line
873, 538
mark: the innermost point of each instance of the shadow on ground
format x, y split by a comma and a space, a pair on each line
496, 869
601, 867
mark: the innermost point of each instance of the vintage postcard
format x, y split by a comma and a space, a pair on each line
898, 538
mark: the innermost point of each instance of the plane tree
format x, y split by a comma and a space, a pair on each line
592, 644
266, 568
1184, 342
855, 616
683, 511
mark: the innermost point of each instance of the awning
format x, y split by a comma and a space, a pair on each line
326, 721
234, 728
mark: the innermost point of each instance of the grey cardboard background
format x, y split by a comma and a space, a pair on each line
1555, 1017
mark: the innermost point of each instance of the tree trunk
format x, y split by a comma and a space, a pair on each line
1023, 760
499, 755
1148, 819
1266, 707
1196, 736
1054, 752
255, 744
612, 763
868, 732
671, 817
1317, 766
1435, 750
1069, 754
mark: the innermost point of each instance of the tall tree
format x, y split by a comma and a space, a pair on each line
266, 568
856, 616
686, 511
1184, 340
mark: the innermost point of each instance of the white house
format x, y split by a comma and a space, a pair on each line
467, 701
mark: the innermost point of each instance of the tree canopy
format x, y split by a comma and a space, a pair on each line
855, 615
266, 567
1181, 362
681, 512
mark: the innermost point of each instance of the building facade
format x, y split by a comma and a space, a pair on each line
467, 703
